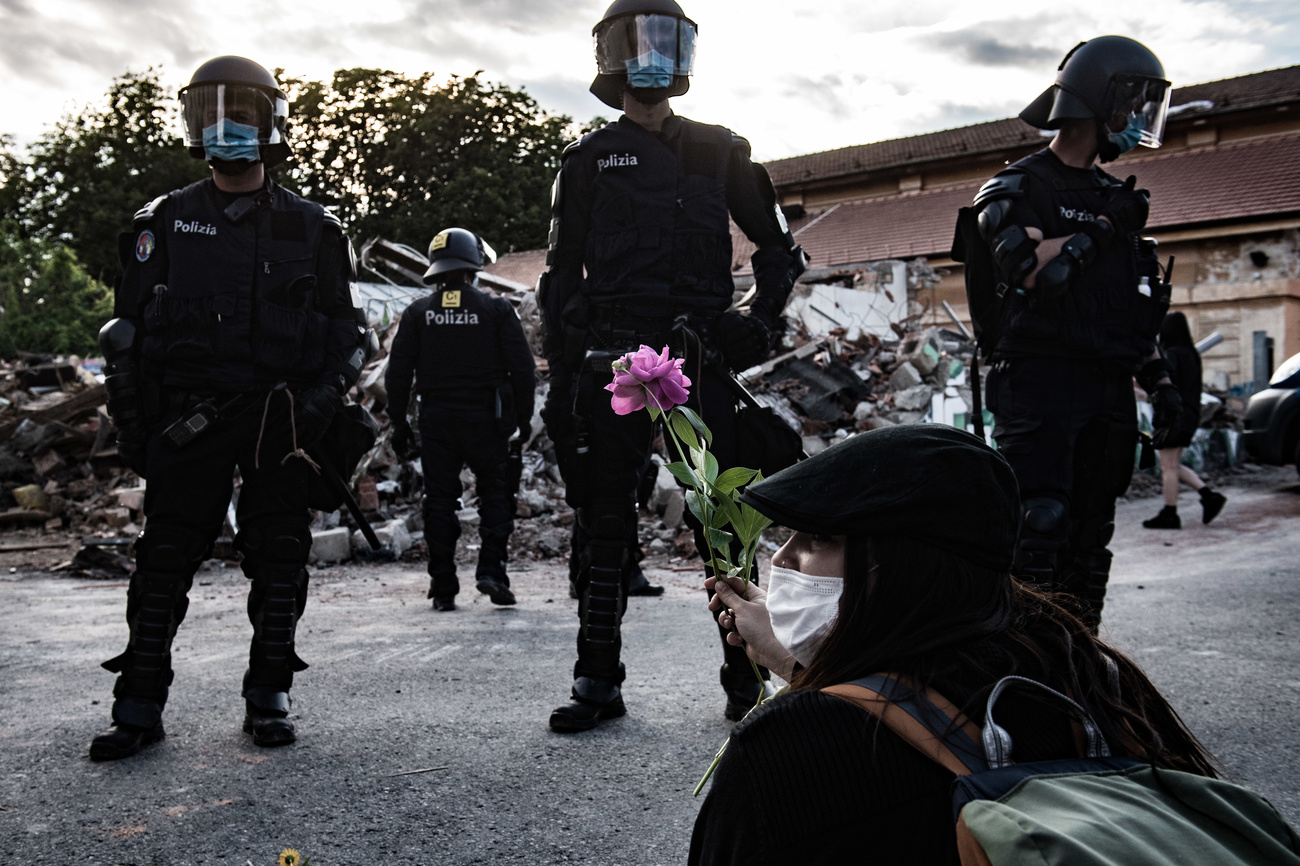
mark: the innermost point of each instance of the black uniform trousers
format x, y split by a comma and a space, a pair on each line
1069, 430
454, 434
186, 497
603, 484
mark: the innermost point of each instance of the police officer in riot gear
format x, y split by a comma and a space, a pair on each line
641, 208
238, 332
475, 374
1083, 302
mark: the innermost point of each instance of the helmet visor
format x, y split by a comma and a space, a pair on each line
208, 105
1143, 103
645, 41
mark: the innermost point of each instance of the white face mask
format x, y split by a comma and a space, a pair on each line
802, 608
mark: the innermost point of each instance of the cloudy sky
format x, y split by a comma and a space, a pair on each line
794, 77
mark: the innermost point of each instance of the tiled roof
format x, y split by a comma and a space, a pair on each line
1259, 89
522, 267
1251, 180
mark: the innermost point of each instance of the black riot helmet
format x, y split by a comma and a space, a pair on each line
233, 107
647, 46
457, 250
1115, 80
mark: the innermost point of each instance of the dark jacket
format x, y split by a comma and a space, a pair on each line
462, 345
644, 216
1185, 372
235, 303
812, 779
1103, 316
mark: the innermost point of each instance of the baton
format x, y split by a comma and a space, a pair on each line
341, 490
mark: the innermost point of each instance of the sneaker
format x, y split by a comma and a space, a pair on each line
1166, 519
495, 590
1211, 504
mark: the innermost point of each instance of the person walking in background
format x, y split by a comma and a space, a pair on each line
472, 367
1185, 370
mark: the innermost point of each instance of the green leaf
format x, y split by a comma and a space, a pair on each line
684, 431
719, 539
683, 473
696, 506
697, 423
728, 508
736, 476
710, 467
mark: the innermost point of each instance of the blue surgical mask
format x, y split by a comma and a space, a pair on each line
651, 69
240, 141
1131, 136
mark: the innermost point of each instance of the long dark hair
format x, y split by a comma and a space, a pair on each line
1175, 332
934, 616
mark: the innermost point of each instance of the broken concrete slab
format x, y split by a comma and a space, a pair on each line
905, 376
914, 398
331, 545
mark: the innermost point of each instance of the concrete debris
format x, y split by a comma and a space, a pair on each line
854, 357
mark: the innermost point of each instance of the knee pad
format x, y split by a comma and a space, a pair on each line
276, 543
165, 548
438, 505
1094, 532
1043, 535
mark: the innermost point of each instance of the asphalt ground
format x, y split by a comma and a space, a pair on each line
423, 735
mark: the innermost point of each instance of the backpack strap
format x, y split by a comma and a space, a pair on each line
917, 719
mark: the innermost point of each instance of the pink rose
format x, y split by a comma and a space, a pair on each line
645, 372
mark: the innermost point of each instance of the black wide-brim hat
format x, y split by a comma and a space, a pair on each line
931, 482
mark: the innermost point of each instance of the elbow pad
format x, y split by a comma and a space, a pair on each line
1014, 252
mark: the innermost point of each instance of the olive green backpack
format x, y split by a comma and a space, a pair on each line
1098, 810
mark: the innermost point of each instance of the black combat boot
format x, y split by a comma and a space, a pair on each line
1211, 503
639, 584
266, 716
136, 723
1166, 519
490, 577
592, 701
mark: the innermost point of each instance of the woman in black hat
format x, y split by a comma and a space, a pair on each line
900, 564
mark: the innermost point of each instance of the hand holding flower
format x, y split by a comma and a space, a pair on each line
744, 612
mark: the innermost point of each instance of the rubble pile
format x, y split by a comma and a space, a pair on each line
58, 460
831, 387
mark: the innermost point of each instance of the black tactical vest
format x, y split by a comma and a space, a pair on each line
460, 348
659, 229
238, 307
1103, 316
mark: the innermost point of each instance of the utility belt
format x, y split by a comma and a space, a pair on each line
613, 329
460, 398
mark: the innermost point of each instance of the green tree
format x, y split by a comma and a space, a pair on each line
50, 303
85, 177
404, 157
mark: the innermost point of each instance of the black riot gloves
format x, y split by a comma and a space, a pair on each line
744, 340
314, 411
403, 441
132, 442
1166, 406
1128, 207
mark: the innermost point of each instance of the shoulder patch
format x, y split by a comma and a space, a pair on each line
1007, 185
145, 243
149, 211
